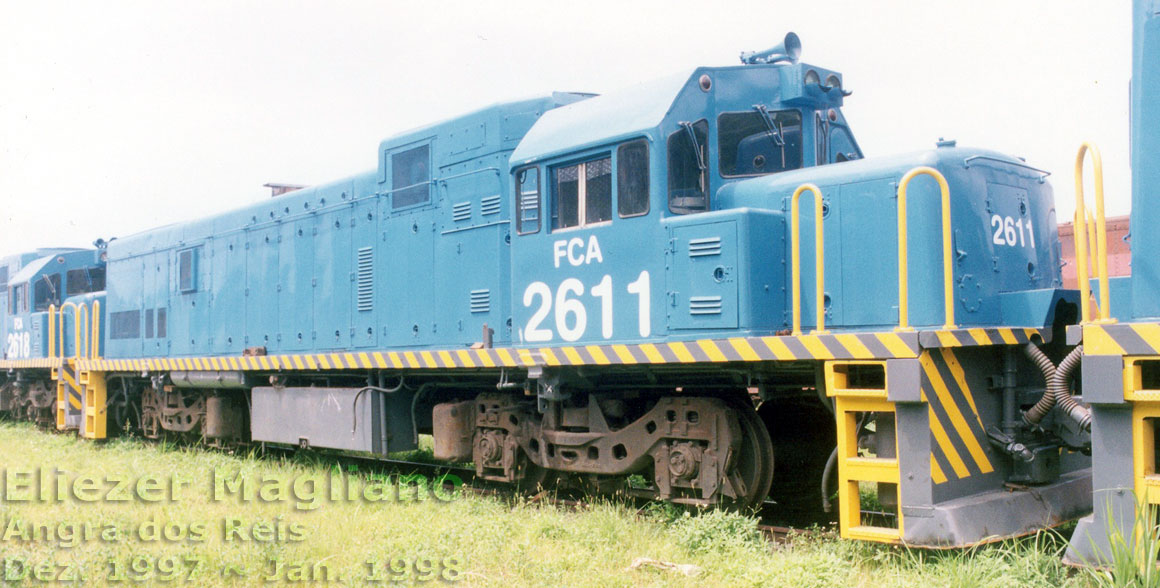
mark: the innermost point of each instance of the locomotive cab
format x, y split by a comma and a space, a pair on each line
50, 279
50, 310
663, 211
608, 188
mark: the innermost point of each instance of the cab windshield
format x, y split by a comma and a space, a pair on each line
759, 142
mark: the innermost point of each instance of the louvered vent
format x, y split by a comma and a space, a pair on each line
530, 202
480, 301
366, 279
705, 247
700, 305
489, 205
461, 211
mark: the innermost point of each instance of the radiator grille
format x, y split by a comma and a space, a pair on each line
366, 279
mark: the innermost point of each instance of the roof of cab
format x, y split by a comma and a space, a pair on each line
30, 270
601, 120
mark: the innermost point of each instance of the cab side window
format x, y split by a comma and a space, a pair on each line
567, 209
632, 179
688, 168
46, 292
583, 194
84, 280
821, 139
842, 145
18, 299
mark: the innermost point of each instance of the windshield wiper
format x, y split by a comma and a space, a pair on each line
773, 130
51, 287
688, 126
701, 164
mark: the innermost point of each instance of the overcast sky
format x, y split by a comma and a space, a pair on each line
120, 116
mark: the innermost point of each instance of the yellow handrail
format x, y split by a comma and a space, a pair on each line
78, 312
60, 325
82, 311
1091, 235
95, 338
948, 267
52, 331
819, 259
1080, 233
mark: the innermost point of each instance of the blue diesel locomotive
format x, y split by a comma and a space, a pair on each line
591, 287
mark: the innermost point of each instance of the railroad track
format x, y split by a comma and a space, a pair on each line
773, 529
465, 480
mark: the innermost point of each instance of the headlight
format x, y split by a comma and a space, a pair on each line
833, 82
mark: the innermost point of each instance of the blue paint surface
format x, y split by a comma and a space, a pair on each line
422, 251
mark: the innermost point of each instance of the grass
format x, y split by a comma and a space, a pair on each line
479, 540
1132, 559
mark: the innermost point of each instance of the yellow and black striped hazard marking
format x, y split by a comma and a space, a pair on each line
1122, 339
880, 345
960, 448
982, 336
67, 378
29, 364
739, 349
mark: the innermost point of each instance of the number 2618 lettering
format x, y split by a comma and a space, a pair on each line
19, 345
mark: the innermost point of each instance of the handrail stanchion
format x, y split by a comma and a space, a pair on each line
60, 325
95, 338
948, 260
81, 310
52, 331
1093, 260
1081, 236
819, 259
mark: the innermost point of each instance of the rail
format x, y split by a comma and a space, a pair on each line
948, 266
1081, 237
819, 259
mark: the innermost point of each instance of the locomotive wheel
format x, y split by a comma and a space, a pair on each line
753, 464
124, 415
535, 478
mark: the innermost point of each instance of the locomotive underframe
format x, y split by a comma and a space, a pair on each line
29, 395
911, 430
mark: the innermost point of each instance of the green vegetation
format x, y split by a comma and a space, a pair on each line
480, 540
1128, 555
